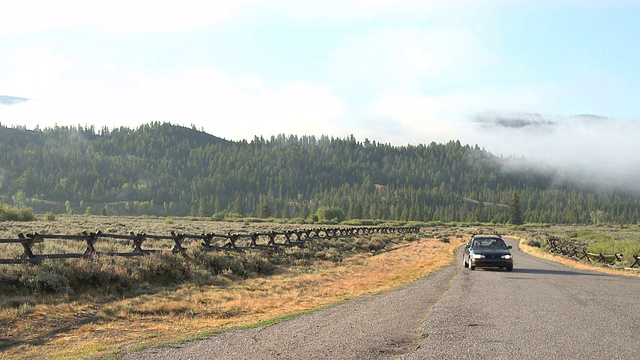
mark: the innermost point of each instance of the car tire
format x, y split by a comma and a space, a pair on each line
464, 262
509, 268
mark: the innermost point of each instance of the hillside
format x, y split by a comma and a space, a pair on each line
168, 170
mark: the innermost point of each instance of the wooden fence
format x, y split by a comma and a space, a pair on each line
207, 242
579, 252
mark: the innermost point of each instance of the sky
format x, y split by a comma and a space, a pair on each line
551, 80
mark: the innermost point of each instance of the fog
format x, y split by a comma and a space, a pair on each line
590, 146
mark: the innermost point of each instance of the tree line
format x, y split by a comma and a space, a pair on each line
168, 170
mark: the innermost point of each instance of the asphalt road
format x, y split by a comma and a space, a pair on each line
541, 310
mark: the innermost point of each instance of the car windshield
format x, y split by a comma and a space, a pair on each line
490, 243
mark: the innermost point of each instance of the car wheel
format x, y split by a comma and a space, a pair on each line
464, 261
509, 268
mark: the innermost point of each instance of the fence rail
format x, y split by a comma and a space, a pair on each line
210, 241
579, 252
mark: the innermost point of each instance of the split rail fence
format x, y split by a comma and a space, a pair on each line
579, 252
208, 242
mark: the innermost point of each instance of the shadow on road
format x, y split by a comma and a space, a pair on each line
556, 272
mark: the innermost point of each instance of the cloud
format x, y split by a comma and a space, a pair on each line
589, 145
35, 71
454, 115
230, 106
117, 16
124, 16
409, 57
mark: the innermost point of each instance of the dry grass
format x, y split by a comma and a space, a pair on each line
535, 251
77, 327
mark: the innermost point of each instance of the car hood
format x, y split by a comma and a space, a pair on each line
491, 251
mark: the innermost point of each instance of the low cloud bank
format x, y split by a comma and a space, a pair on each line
598, 149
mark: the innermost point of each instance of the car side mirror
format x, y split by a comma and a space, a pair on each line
467, 246
510, 247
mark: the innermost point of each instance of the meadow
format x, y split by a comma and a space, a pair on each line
103, 306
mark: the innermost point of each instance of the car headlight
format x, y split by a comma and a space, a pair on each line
477, 256
507, 257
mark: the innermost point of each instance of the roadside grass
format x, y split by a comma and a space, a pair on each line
611, 246
610, 241
69, 321
604, 242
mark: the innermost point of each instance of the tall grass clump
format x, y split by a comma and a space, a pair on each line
610, 246
10, 213
589, 234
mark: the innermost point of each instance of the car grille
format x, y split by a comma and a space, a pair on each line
492, 256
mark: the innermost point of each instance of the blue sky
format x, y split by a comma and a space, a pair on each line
399, 72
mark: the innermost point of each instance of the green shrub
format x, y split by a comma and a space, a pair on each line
410, 238
257, 263
219, 216
589, 234
10, 213
220, 262
375, 244
535, 242
105, 273
50, 216
45, 283
329, 214
166, 266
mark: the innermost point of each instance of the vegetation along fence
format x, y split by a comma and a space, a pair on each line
579, 252
207, 242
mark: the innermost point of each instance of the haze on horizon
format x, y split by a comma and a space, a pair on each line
554, 81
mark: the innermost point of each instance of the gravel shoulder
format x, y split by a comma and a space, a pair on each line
379, 326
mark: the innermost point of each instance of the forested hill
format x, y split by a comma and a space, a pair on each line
163, 169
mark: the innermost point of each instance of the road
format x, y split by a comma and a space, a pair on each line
541, 310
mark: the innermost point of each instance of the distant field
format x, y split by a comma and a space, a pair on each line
75, 225
124, 225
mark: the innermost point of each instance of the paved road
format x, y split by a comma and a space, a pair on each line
541, 310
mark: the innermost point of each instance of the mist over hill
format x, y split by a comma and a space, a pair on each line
596, 148
168, 170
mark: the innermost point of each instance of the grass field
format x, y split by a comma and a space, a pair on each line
96, 308
166, 298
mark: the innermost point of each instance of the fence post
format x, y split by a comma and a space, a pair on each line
177, 239
137, 242
27, 243
91, 238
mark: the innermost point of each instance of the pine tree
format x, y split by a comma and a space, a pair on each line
265, 211
515, 213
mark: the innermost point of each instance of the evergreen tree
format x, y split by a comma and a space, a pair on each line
515, 213
265, 211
